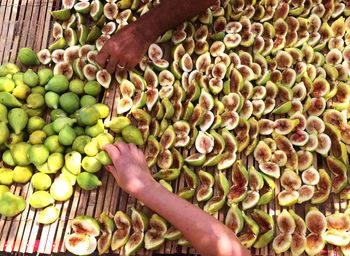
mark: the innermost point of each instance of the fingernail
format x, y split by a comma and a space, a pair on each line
108, 168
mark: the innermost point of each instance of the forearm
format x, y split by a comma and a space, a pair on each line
206, 234
168, 14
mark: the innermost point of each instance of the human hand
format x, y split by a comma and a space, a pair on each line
125, 49
129, 167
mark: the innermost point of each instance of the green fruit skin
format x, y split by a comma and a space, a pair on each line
22, 174
41, 181
102, 109
28, 57
3, 189
6, 176
35, 100
77, 86
48, 216
41, 199
92, 88
19, 152
69, 102
104, 158
117, 124
7, 158
60, 122
57, 113
44, 76
80, 143
48, 129
4, 133
8, 69
132, 135
31, 78
87, 100
11, 205
95, 130
53, 145
3, 113
55, 162
35, 123
9, 100
21, 91
88, 115
73, 162
88, 181
6, 84
52, 100
66, 136
38, 154
18, 119
58, 84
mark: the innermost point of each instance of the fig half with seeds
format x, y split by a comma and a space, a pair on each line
154, 237
121, 235
238, 190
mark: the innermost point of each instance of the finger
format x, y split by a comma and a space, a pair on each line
121, 64
109, 168
101, 58
132, 147
112, 64
112, 151
122, 146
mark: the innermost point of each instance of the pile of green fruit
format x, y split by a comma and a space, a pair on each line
265, 79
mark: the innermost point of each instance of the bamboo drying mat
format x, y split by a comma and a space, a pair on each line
27, 23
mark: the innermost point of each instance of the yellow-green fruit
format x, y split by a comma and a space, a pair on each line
31, 78
35, 100
48, 215
68, 175
57, 113
58, 84
19, 152
87, 100
39, 89
91, 148
11, 205
52, 100
7, 158
55, 162
60, 122
6, 84
102, 109
9, 100
80, 143
61, 189
89, 115
22, 174
132, 135
28, 57
103, 139
95, 130
91, 164
4, 133
3, 113
45, 75
21, 91
41, 199
38, 154
37, 137
117, 124
77, 86
15, 138
35, 123
53, 145
88, 181
104, 158
3, 189
6, 176
8, 69
41, 181
69, 102
73, 162
66, 136
18, 119
92, 88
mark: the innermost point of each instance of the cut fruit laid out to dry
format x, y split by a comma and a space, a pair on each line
248, 119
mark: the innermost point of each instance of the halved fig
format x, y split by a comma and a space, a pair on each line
172, 234
262, 152
299, 138
256, 181
314, 244
196, 159
86, 225
121, 235
167, 174
306, 193
315, 124
324, 188
290, 180
338, 221
271, 169
192, 184
165, 159
298, 244
300, 227
305, 159
310, 176
317, 106
234, 219
337, 238
266, 126
324, 144
107, 228
80, 244
227, 160
205, 191
284, 126
279, 157
315, 221
152, 150
287, 198
282, 243
221, 190
238, 190
154, 237
285, 222
250, 200
285, 145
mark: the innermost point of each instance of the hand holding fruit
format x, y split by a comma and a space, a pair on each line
130, 168
124, 50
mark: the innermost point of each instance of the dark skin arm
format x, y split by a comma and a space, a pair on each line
127, 47
207, 235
